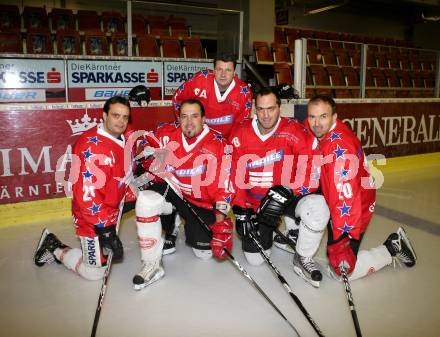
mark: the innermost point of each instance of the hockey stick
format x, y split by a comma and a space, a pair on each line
289, 241
227, 252
105, 279
234, 261
350, 301
286, 285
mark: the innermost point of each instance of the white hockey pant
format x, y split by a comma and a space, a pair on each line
149, 206
314, 214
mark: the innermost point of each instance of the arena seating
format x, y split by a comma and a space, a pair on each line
147, 46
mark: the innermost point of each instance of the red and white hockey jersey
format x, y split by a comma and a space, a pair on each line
345, 181
221, 111
98, 163
280, 157
199, 169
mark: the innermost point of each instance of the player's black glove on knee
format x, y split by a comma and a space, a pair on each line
273, 204
109, 239
244, 220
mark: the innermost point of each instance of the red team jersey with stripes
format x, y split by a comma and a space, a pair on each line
98, 162
280, 157
199, 169
221, 111
345, 181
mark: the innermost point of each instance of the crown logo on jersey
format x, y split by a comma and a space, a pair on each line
82, 125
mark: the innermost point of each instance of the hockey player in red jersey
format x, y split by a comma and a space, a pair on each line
271, 152
227, 101
350, 193
192, 162
100, 174
226, 98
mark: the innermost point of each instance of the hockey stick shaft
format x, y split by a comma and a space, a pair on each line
229, 254
286, 285
239, 266
349, 295
105, 280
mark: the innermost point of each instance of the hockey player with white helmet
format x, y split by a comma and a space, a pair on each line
191, 161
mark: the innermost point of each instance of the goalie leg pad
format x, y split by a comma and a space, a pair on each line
314, 214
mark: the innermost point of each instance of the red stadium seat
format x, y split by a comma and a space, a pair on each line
11, 42
119, 44
383, 59
147, 46
292, 34
138, 24
283, 73
68, 42
355, 57
263, 54
35, 18
170, 47
280, 52
88, 21
9, 17
342, 57
158, 26
62, 19
329, 57
113, 22
178, 26
319, 75
96, 43
192, 48
314, 56
39, 41
278, 35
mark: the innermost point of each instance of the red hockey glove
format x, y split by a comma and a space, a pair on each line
221, 238
340, 254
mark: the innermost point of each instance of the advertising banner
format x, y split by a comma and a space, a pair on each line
175, 73
31, 80
35, 138
96, 80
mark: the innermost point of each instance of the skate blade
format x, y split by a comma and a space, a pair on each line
44, 233
155, 278
402, 234
300, 273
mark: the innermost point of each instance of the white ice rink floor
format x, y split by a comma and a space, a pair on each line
212, 298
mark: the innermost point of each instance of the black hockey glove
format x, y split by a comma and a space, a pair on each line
273, 204
245, 219
108, 239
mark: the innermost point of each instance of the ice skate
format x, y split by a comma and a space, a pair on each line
400, 248
308, 269
150, 272
46, 247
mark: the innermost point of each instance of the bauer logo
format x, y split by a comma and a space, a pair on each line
24, 95
99, 94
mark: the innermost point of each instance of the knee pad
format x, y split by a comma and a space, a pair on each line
314, 214
150, 203
203, 254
